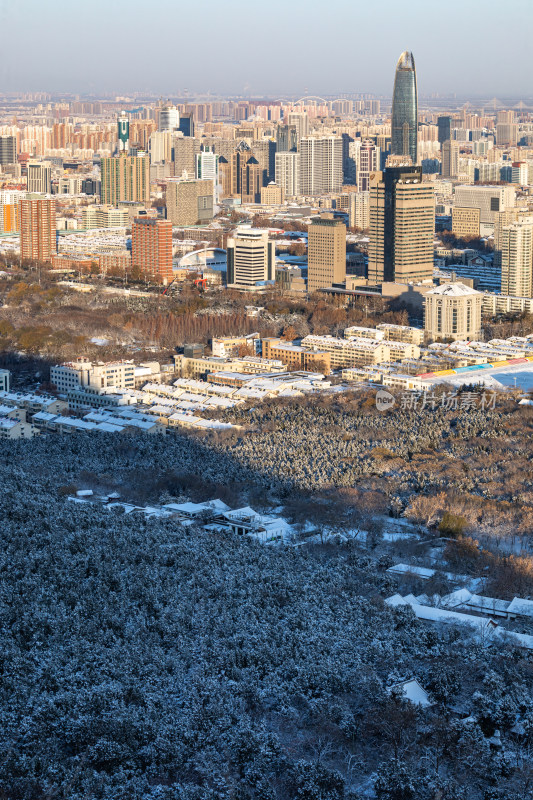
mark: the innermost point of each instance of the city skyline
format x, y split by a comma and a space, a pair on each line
174, 65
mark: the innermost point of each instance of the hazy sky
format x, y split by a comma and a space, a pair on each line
273, 47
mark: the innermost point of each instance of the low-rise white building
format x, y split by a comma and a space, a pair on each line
83, 373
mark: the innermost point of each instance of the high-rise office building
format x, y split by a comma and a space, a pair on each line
326, 252
404, 129
8, 150
506, 133
444, 129
186, 124
517, 259
489, 199
367, 162
450, 159
288, 172
246, 175
265, 153
184, 152
160, 147
502, 219
402, 226
189, 201
151, 248
169, 119
39, 177
123, 124
359, 210
207, 167
251, 181
321, 160
287, 138
38, 228
251, 257
465, 222
300, 120
125, 178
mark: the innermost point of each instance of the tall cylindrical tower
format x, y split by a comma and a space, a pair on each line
405, 109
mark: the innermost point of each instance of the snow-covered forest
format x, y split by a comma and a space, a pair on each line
145, 660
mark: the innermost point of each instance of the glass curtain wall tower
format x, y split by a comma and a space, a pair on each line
405, 109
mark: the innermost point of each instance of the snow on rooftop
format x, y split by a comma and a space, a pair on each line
453, 290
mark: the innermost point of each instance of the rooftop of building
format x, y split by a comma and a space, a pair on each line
453, 290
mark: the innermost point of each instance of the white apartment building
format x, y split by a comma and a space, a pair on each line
321, 164
82, 373
104, 217
516, 245
206, 167
359, 210
251, 257
287, 172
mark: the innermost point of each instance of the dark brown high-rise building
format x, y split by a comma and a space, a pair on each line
402, 226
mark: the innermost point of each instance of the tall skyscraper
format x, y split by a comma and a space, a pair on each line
251, 257
151, 248
404, 130
39, 177
326, 252
367, 161
160, 147
125, 178
359, 210
321, 161
444, 129
38, 228
207, 168
8, 150
186, 124
265, 153
169, 119
288, 172
123, 124
300, 120
450, 159
402, 226
184, 152
517, 259
287, 138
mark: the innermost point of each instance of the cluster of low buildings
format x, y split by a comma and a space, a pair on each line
189, 391
476, 612
211, 515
